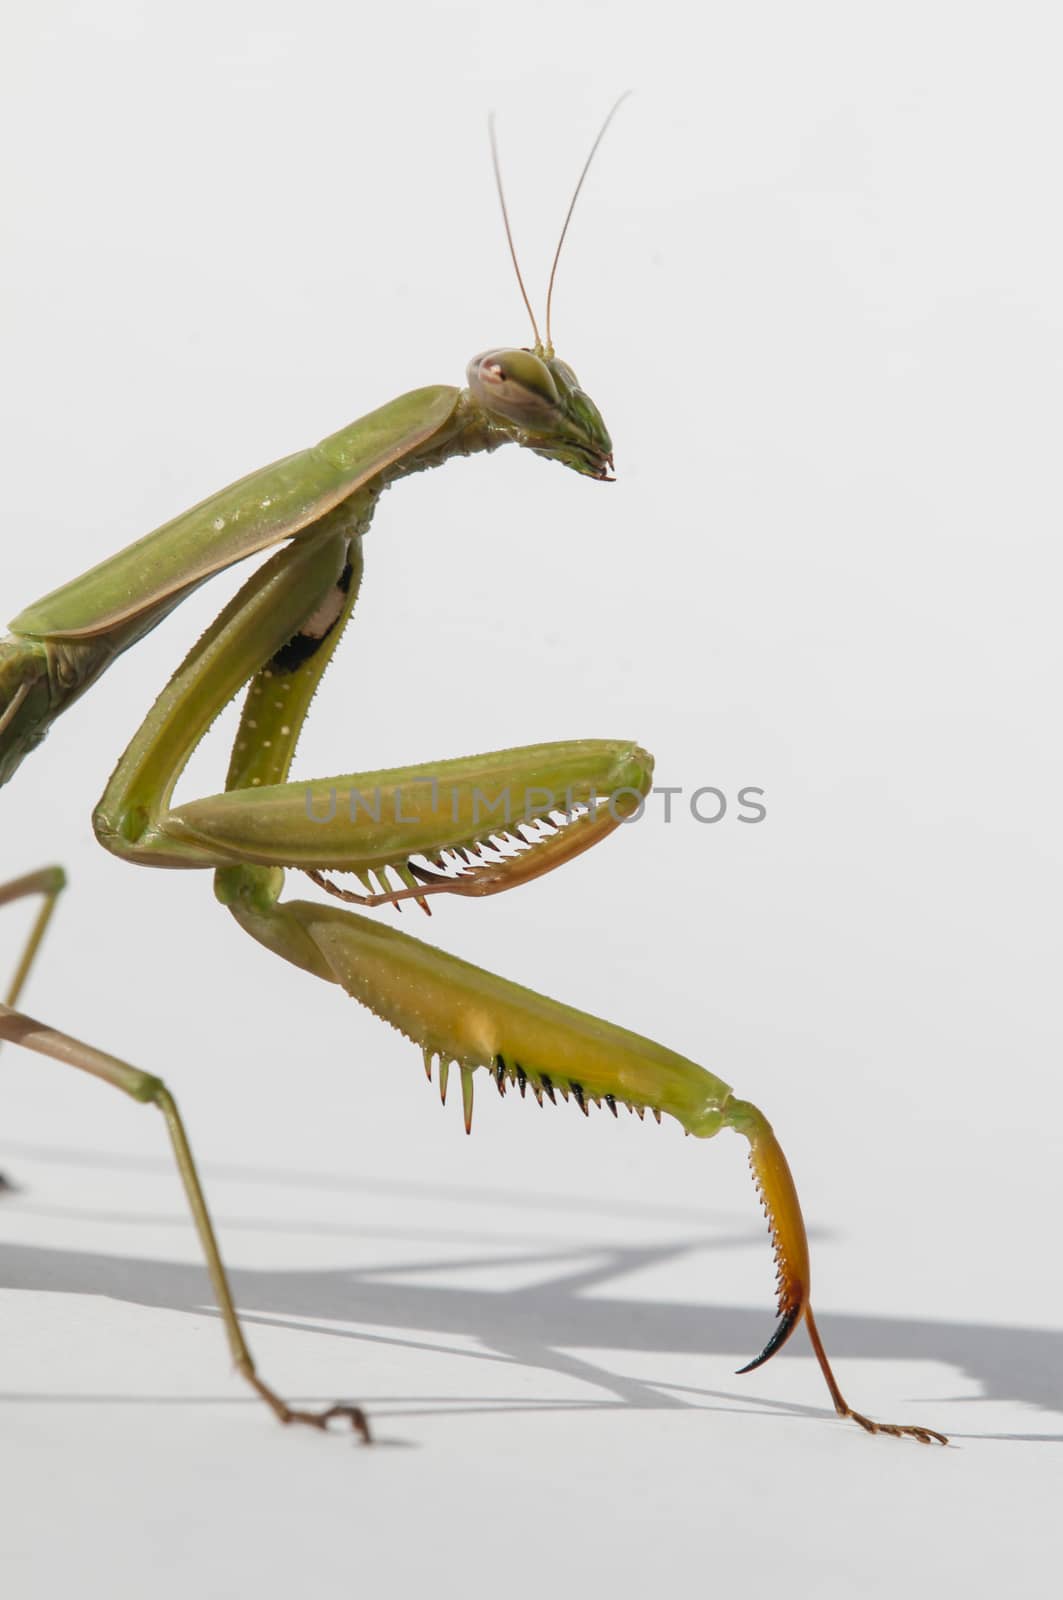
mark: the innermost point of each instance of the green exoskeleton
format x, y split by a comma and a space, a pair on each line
407, 834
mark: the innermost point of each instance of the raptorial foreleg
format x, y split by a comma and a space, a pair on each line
462, 1015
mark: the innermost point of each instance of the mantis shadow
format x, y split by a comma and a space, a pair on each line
543, 1325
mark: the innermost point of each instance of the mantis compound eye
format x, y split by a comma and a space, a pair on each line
515, 383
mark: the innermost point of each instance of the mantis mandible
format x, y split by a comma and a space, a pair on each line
407, 834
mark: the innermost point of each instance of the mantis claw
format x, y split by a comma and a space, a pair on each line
783, 1329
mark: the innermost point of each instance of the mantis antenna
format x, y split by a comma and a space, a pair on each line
571, 207
509, 231
548, 348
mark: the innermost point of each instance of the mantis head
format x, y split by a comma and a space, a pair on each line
537, 400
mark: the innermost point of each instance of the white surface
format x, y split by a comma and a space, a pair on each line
814, 285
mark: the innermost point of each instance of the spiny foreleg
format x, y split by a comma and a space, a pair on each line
463, 1015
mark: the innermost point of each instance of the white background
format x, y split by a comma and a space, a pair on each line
814, 285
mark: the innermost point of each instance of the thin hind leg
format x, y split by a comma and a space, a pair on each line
149, 1090
48, 882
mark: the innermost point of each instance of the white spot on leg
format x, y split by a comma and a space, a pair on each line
321, 620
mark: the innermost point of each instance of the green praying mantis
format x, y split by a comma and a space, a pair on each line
412, 833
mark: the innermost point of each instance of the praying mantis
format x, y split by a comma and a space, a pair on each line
412, 833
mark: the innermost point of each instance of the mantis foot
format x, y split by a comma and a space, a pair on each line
898, 1430
312, 1419
320, 1419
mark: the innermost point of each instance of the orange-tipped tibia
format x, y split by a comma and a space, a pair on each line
783, 1210
779, 1196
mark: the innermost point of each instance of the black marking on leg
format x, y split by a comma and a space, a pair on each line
522, 1078
783, 1329
577, 1091
610, 1101
306, 643
548, 1089
500, 1074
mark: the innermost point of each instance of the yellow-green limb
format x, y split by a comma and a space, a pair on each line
492, 1029
148, 1090
49, 883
